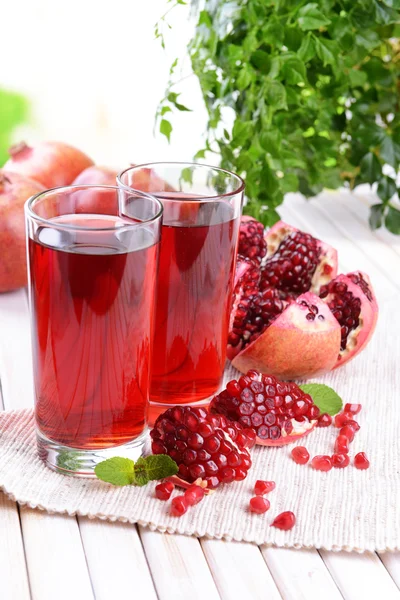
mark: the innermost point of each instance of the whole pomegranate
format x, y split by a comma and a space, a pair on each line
279, 324
94, 201
50, 163
14, 191
96, 175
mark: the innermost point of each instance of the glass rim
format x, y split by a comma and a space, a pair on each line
29, 212
238, 190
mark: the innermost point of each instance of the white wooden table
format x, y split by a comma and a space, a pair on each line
53, 557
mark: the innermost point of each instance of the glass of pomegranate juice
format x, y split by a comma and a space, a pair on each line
202, 208
93, 254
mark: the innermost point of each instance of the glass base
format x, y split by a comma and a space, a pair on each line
79, 462
156, 408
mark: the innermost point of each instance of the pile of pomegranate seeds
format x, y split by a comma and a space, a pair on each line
278, 411
251, 239
292, 267
204, 446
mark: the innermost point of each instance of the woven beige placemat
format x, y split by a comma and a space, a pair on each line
343, 509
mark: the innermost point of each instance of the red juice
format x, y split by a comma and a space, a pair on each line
92, 306
194, 295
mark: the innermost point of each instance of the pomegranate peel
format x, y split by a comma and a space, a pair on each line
50, 163
14, 191
300, 343
352, 301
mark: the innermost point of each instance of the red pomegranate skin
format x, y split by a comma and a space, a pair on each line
96, 175
50, 163
14, 191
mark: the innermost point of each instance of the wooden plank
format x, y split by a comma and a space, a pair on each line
360, 575
53, 545
13, 575
305, 215
116, 560
379, 253
14, 583
300, 574
178, 566
54, 553
391, 560
359, 203
239, 570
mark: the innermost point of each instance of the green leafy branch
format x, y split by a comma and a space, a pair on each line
314, 90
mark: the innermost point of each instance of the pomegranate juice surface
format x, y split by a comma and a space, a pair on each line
92, 306
194, 295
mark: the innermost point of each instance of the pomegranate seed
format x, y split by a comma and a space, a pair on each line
263, 487
339, 461
361, 461
348, 432
300, 455
342, 444
324, 420
259, 505
342, 417
164, 490
321, 463
179, 506
352, 408
194, 494
353, 424
284, 521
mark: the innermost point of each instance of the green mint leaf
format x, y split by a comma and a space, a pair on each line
155, 466
310, 17
116, 470
327, 400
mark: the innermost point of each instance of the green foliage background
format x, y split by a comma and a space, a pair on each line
13, 112
314, 87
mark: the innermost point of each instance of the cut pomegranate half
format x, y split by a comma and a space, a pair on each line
300, 342
352, 301
207, 448
296, 261
279, 412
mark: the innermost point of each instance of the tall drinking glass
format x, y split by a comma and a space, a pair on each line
93, 253
202, 208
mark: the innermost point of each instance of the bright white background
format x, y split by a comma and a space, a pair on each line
94, 74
